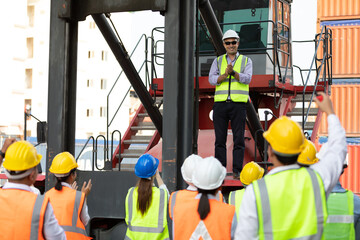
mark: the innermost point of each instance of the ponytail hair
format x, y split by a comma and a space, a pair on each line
204, 204
59, 180
144, 194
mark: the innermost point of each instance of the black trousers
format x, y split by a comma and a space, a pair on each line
235, 112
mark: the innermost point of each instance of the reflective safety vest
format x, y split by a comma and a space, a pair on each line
184, 196
151, 225
217, 225
238, 92
340, 222
291, 205
67, 204
235, 199
22, 214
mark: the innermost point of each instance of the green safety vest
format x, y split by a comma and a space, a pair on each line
152, 225
340, 222
239, 92
291, 205
235, 199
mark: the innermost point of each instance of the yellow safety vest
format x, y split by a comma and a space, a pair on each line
235, 199
340, 222
238, 92
291, 205
151, 225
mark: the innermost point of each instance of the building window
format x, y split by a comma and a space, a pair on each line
92, 25
103, 84
30, 14
90, 83
89, 112
104, 55
91, 54
28, 78
102, 111
27, 107
30, 47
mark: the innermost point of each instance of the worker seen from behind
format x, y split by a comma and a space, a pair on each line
24, 214
343, 210
231, 74
290, 201
69, 205
145, 204
251, 172
183, 196
204, 217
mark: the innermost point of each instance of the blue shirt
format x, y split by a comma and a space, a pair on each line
339, 189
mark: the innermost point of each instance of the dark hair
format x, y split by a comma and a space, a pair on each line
58, 185
287, 160
144, 194
204, 205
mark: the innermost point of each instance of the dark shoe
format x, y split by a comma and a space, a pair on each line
236, 176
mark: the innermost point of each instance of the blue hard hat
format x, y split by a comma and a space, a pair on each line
146, 166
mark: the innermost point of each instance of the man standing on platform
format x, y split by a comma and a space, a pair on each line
231, 74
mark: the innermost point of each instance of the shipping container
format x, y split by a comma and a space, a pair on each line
346, 101
345, 48
350, 179
338, 9
351, 176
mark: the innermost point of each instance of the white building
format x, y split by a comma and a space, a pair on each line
24, 60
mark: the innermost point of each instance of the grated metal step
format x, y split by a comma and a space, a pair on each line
138, 139
144, 126
299, 112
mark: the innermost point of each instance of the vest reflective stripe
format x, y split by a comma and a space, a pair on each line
235, 199
340, 219
302, 220
239, 92
172, 204
200, 231
73, 228
160, 227
35, 220
340, 222
231, 92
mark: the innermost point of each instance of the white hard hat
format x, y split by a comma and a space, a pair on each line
209, 174
230, 34
188, 167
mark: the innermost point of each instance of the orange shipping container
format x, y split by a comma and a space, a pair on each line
351, 176
338, 9
346, 101
350, 179
345, 48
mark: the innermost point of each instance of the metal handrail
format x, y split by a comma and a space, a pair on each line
324, 31
93, 142
108, 123
105, 152
119, 145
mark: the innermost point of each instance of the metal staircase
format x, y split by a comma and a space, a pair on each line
140, 136
298, 111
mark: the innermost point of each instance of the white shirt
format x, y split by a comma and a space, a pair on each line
84, 215
329, 168
52, 229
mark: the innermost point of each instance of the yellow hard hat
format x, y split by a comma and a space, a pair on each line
21, 156
308, 155
251, 172
285, 136
63, 163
